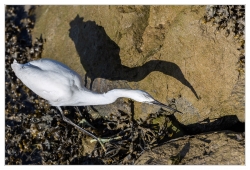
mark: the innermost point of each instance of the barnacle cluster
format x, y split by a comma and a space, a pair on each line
231, 19
35, 132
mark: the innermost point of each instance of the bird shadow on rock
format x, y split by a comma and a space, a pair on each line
99, 56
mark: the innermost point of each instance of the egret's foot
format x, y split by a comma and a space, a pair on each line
105, 140
113, 151
84, 123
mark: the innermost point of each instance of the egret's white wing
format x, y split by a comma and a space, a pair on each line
49, 85
52, 65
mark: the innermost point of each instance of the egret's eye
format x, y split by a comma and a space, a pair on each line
148, 102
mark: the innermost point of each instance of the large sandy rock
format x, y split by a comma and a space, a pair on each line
164, 50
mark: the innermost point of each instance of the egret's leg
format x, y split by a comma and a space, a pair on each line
85, 81
79, 128
91, 83
84, 121
76, 107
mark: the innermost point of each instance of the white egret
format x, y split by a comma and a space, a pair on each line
62, 86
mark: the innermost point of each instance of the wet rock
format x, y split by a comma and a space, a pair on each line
214, 148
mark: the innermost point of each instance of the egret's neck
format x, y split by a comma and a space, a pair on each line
114, 94
89, 98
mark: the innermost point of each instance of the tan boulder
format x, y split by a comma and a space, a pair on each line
164, 50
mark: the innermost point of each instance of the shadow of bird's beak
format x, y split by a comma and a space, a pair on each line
163, 105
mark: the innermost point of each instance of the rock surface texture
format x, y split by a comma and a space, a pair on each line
216, 148
165, 50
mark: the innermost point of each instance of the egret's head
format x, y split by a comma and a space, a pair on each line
144, 97
137, 95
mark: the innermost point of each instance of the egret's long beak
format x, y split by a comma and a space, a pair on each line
163, 105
